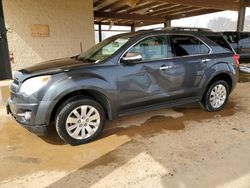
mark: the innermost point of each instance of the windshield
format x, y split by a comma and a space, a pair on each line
104, 49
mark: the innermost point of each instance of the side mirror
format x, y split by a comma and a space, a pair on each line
131, 57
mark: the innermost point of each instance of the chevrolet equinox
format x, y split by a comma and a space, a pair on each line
122, 75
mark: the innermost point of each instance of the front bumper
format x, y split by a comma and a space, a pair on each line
25, 114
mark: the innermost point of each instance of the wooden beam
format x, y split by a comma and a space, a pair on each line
114, 5
103, 4
172, 10
194, 13
147, 4
163, 9
247, 3
124, 7
135, 17
185, 11
106, 23
100, 2
211, 4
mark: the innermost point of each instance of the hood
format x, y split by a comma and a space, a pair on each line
54, 66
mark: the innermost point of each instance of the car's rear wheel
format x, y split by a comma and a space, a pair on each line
216, 96
80, 121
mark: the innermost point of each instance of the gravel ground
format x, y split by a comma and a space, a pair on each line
180, 147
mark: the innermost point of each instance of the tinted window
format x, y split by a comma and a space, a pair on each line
152, 48
244, 40
188, 45
230, 37
219, 40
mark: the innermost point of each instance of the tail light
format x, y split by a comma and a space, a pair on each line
236, 58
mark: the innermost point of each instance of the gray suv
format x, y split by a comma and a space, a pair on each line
123, 75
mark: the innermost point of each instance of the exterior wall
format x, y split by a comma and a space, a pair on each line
70, 22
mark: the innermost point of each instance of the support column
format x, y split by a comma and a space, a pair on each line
241, 16
5, 68
100, 32
133, 27
167, 23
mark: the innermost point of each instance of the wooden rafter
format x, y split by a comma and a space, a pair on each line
178, 11
164, 9
192, 13
99, 3
212, 4
185, 11
157, 11
135, 17
113, 6
146, 4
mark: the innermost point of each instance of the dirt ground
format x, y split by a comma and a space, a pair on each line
180, 147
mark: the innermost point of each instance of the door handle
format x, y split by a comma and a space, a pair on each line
205, 60
164, 67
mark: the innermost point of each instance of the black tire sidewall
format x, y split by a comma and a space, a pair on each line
66, 109
208, 105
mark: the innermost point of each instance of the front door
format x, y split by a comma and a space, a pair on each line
147, 81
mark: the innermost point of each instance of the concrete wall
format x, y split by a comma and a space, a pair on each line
70, 22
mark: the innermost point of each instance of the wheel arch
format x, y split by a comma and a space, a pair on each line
88, 93
219, 76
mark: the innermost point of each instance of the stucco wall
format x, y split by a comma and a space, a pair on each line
70, 22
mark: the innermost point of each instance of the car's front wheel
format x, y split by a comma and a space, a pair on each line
80, 121
216, 96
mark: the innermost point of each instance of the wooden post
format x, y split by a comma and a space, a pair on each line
5, 68
167, 23
100, 32
241, 16
133, 27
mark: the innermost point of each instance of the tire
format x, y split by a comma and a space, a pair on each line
80, 121
216, 96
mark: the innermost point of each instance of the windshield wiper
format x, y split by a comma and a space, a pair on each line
85, 59
89, 60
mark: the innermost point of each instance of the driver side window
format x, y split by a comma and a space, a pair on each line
152, 48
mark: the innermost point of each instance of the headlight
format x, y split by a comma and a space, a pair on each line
32, 85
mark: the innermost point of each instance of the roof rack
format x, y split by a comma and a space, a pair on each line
154, 29
187, 29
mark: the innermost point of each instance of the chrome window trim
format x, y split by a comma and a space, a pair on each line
167, 58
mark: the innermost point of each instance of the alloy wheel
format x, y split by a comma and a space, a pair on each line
82, 122
218, 96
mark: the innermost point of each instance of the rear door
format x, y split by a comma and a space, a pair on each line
189, 64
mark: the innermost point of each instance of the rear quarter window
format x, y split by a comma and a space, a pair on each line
188, 45
220, 44
230, 37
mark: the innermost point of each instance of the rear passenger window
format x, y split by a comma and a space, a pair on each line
188, 45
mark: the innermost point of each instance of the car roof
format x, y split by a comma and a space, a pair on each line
173, 32
199, 32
